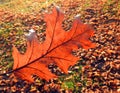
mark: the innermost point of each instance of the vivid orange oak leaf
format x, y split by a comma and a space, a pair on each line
57, 48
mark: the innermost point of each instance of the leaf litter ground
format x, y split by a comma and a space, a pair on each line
100, 66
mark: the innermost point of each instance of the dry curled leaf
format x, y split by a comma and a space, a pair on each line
57, 48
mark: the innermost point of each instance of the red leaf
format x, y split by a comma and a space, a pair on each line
55, 49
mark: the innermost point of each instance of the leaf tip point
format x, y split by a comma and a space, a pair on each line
58, 9
46, 11
31, 30
77, 16
31, 34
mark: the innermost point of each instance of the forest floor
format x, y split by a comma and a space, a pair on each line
97, 71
